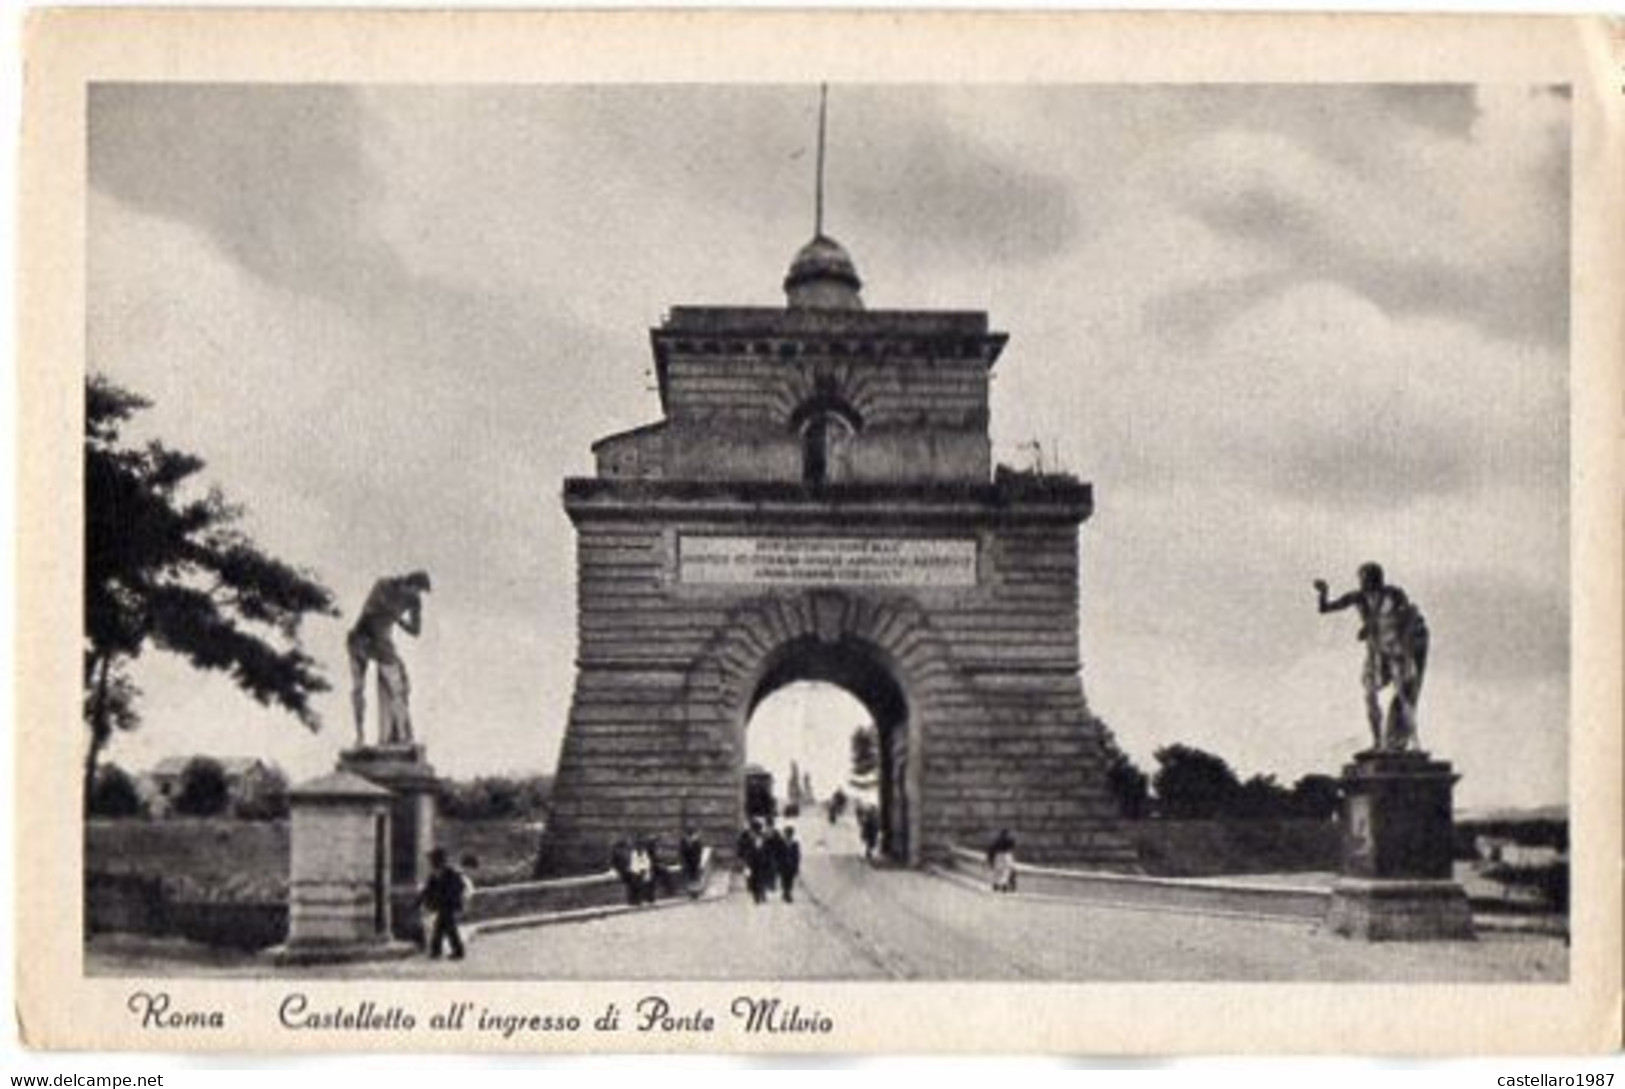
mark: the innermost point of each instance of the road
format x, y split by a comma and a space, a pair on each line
854, 922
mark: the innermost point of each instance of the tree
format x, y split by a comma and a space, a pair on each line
204, 791
1129, 785
1131, 788
167, 568
1261, 797
1317, 797
114, 794
1193, 785
495, 797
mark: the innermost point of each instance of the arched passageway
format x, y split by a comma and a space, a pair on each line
822, 673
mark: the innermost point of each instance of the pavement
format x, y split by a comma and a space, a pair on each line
852, 921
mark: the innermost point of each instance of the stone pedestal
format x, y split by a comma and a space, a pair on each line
410, 780
338, 886
1398, 828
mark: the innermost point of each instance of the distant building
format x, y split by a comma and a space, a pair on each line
248, 778
1506, 850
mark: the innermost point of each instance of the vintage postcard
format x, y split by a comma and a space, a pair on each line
819, 533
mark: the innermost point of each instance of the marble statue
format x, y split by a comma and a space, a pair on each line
393, 601
1396, 644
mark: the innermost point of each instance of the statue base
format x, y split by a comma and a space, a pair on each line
340, 953
414, 789
1398, 843
1397, 910
338, 872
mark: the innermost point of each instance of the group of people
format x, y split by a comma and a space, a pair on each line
769, 857
637, 861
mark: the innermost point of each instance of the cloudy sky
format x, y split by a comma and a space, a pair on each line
1281, 329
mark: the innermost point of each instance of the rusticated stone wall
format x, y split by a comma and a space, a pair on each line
818, 503
995, 725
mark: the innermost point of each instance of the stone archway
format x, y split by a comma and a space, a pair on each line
879, 649
855, 669
725, 548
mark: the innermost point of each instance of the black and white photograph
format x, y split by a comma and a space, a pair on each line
823, 531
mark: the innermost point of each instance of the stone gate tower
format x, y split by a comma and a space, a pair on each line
819, 503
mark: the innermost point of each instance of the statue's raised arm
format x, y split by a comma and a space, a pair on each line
1327, 606
1396, 639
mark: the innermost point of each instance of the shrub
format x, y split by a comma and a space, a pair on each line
204, 791
113, 794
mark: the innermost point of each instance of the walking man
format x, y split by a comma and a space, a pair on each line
772, 840
443, 895
788, 861
753, 855
869, 824
691, 853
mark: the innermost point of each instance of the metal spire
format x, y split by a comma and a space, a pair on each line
818, 206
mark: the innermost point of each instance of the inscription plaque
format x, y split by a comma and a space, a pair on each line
842, 561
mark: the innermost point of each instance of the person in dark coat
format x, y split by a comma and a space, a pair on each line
691, 854
836, 805
787, 860
757, 861
869, 825
772, 838
443, 894
620, 860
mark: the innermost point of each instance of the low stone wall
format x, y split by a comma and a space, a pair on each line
223, 883
132, 904
125, 904
1201, 895
232, 926
545, 897
504, 902
216, 852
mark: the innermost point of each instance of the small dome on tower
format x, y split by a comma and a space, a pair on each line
823, 277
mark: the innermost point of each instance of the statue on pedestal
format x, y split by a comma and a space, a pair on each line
393, 601
1396, 644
